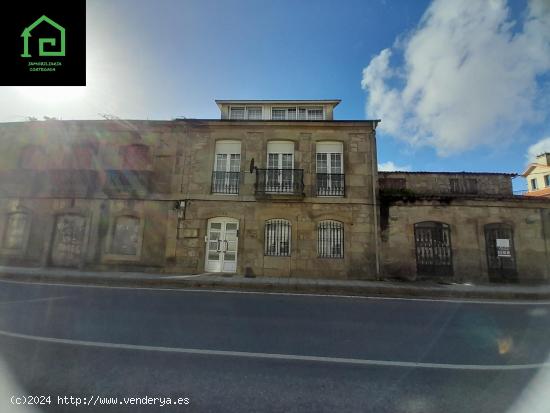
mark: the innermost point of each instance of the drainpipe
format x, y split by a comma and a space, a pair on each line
374, 172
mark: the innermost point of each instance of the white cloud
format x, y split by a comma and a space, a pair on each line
536, 149
390, 166
469, 75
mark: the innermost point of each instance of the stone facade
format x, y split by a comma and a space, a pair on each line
139, 195
150, 196
469, 220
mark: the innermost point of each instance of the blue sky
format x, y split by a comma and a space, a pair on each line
163, 59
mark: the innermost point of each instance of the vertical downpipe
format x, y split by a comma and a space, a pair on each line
374, 167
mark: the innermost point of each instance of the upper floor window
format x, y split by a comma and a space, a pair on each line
464, 186
277, 237
534, 184
300, 113
237, 113
254, 113
80, 156
245, 112
546, 180
135, 157
227, 166
330, 168
15, 231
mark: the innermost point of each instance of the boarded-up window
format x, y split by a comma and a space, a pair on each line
15, 231
392, 183
135, 157
463, 186
125, 236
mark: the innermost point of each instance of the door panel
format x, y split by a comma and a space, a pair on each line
68, 239
433, 249
222, 244
501, 256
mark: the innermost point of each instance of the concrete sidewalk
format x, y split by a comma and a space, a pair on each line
420, 289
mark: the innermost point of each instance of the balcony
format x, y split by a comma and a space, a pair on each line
132, 182
225, 182
331, 185
70, 182
279, 183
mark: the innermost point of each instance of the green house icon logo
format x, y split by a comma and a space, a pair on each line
42, 41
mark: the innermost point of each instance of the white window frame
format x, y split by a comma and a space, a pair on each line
534, 184
298, 112
246, 113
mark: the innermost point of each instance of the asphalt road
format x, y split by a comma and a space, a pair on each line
248, 352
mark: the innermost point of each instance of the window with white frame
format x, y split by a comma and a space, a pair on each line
245, 112
547, 180
15, 231
330, 239
236, 112
254, 112
330, 169
227, 166
534, 184
277, 237
315, 113
299, 113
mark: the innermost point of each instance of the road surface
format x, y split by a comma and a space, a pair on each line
251, 352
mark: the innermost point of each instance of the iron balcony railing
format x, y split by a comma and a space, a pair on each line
331, 184
127, 181
225, 182
280, 181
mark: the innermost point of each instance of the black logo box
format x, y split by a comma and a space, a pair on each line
70, 70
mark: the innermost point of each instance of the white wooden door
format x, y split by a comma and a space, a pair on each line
222, 245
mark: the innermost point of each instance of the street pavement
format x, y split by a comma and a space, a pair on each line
241, 352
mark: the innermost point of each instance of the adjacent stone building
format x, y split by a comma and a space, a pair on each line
272, 188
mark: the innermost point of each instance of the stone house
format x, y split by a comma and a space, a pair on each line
462, 226
537, 175
272, 188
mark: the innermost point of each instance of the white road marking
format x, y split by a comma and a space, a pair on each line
275, 356
230, 291
32, 300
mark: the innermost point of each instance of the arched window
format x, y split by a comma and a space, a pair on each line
135, 157
277, 237
433, 248
330, 239
125, 240
15, 231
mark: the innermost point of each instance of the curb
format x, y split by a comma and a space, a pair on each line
292, 288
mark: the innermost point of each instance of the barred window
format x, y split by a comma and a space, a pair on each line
330, 239
277, 237
126, 236
15, 231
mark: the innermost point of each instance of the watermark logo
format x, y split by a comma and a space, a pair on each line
51, 41
44, 44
